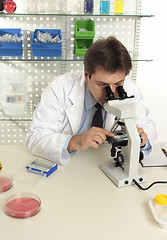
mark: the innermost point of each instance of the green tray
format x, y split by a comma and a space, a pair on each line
84, 24
82, 45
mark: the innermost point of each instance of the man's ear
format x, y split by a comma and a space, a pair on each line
86, 75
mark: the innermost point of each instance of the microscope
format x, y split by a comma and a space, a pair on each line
123, 166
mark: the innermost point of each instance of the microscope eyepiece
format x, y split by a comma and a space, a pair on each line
121, 92
109, 93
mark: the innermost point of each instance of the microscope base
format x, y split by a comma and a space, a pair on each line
119, 177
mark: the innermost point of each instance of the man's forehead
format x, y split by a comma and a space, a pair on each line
109, 78
110, 82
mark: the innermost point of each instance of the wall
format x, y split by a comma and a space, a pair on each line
152, 77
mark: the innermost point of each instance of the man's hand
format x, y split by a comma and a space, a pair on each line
143, 136
91, 138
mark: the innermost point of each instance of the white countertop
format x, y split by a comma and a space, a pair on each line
79, 202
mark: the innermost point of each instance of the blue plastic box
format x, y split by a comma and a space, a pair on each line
47, 49
11, 49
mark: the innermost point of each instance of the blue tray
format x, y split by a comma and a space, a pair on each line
47, 49
11, 49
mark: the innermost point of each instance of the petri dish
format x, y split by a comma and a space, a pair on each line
23, 205
5, 182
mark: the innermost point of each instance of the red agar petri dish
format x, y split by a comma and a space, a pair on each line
5, 182
23, 205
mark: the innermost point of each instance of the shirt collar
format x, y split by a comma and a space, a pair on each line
89, 99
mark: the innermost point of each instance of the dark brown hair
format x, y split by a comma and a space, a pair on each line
109, 54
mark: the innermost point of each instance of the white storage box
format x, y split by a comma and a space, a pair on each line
159, 218
13, 84
13, 104
13, 94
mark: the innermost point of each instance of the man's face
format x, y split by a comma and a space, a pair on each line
100, 79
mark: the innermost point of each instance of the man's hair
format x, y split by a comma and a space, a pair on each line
109, 54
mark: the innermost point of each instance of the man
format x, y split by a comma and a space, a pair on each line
62, 120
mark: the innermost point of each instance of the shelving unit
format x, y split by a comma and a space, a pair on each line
38, 72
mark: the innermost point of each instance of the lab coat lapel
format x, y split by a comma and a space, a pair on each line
74, 111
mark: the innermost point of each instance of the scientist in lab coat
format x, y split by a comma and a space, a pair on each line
62, 120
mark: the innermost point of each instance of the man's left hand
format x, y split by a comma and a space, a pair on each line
143, 136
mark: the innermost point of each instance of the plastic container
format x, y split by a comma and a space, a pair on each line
47, 49
104, 6
13, 104
82, 45
119, 7
84, 29
42, 166
5, 182
30, 6
10, 6
88, 6
22, 205
158, 207
13, 84
39, 6
11, 48
13, 94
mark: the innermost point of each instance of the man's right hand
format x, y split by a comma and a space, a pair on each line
91, 138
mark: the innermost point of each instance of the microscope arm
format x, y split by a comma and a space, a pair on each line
125, 110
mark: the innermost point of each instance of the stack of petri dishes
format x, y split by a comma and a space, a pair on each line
19, 205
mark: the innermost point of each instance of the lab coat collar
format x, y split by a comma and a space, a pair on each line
76, 103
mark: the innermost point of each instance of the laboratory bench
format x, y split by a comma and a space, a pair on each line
78, 201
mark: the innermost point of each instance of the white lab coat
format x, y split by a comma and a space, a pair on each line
59, 113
